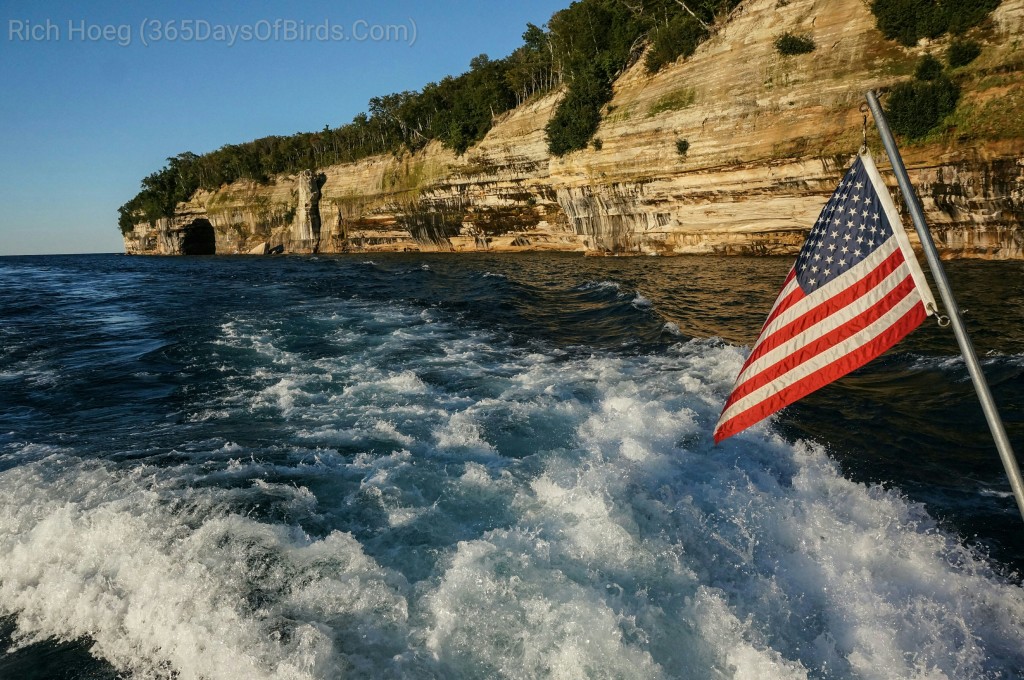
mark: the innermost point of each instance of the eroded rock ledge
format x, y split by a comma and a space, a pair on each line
769, 136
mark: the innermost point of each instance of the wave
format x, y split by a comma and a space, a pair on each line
105, 556
955, 363
640, 302
600, 285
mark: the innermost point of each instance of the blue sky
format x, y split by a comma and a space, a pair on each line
96, 95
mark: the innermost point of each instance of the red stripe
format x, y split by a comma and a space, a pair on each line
826, 374
827, 308
824, 342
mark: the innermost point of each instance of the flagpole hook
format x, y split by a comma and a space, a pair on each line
864, 128
940, 319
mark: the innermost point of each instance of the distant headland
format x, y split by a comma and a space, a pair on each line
647, 127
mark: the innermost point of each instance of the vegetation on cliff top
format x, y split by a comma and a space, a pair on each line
583, 48
917, 107
910, 20
914, 108
596, 40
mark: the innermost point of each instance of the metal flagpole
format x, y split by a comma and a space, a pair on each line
995, 423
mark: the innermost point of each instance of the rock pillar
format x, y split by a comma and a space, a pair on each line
305, 228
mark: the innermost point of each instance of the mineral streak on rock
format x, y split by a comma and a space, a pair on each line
769, 136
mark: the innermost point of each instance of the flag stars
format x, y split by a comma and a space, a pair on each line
849, 228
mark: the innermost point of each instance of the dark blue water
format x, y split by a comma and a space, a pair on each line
487, 466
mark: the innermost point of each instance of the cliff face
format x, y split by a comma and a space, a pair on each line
769, 136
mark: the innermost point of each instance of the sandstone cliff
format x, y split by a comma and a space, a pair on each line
769, 136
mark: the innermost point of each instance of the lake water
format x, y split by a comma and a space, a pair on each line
473, 466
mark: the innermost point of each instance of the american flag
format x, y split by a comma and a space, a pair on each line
855, 291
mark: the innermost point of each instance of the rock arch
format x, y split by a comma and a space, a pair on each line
198, 238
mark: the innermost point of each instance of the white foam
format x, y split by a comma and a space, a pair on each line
501, 610
600, 285
96, 555
283, 394
640, 302
560, 516
208, 414
672, 328
378, 430
955, 364
745, 655
374, 382
461, 431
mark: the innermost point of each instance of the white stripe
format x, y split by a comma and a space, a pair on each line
826, 325
830, 289
833, 354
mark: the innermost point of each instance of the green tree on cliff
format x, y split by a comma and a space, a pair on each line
594, 41
910, 20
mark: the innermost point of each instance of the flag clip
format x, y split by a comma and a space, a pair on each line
940, 319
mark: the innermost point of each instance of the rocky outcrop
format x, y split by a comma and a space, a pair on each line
976, 208
186, 234
768, 136
305, 227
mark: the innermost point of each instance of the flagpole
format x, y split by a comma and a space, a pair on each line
995, 423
